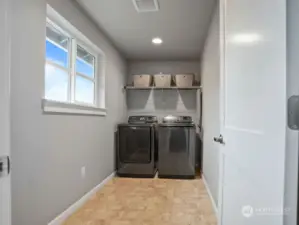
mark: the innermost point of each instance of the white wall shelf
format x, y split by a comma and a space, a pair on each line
162, 88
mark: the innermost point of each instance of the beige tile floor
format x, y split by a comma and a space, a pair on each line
126, 201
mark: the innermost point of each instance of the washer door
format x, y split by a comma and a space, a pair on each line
135, 144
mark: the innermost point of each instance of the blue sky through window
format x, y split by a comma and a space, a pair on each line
56, 54
85, 68
57, 80
60, 56
56, 83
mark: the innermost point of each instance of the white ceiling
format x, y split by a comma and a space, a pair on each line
182, 24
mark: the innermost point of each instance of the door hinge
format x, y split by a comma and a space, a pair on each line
4, 166
293, 112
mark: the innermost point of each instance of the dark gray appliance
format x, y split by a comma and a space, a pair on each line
177, 141
137, 147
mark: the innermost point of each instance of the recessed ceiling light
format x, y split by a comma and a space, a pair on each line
157, 41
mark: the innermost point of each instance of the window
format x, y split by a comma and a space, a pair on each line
85, 76
58, 67
70, 71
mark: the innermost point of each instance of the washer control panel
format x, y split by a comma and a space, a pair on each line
177, 119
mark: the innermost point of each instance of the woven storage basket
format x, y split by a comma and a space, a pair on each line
162, 80
184, 80
142, 80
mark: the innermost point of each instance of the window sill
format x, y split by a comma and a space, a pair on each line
50, 106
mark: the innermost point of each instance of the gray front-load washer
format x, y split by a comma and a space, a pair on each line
137, 146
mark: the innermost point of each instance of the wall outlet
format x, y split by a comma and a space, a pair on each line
83, 172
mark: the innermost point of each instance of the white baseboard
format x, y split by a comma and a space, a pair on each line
210, 195
73, 208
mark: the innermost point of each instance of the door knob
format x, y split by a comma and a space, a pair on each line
219, 139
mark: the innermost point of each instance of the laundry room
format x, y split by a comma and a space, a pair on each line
166, 68
162, 89
149, 112
124, 95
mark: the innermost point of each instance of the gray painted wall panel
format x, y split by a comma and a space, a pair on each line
163, 102
48, 151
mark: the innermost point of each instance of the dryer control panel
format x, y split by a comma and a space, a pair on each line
142, 119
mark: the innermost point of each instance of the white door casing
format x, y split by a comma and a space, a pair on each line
5, 192
253, 112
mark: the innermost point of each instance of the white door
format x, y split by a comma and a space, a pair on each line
5, 218
253, 109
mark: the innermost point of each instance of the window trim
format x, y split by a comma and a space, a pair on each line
56, 107
76, 107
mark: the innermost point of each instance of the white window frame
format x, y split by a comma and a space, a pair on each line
67, 69
77, 43
77, 38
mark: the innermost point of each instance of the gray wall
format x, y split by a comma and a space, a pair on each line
163, 102
48, 151
291, 174
211, 103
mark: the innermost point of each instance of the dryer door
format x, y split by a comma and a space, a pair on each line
176, 151
135, 144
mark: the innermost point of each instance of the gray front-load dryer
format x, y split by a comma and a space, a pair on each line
177, 140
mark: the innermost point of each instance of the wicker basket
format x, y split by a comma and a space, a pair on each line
184, 80
142, 80
162, 80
